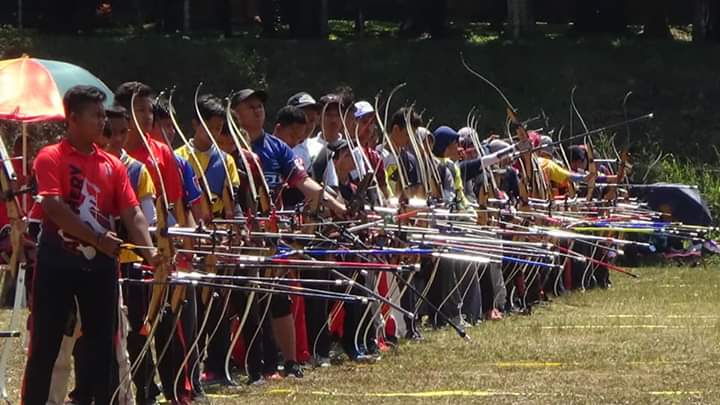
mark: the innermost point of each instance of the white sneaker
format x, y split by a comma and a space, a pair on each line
320, 361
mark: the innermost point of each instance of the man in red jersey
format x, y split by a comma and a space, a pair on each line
135, 146
82, 189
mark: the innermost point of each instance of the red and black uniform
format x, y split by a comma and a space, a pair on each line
96, 187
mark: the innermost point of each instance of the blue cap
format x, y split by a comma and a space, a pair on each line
443, 137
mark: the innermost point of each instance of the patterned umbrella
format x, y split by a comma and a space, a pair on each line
31, 90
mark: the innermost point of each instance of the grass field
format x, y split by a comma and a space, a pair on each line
655, 339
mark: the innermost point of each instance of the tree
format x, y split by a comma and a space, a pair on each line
706, 21
520, 17
424, 16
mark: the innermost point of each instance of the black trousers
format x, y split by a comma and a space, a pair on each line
442, 292
354, 322
261, 352
135, 298
410, 301
316, 318
60, 276
172, 341
217, 333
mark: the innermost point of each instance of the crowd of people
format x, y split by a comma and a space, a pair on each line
124, 178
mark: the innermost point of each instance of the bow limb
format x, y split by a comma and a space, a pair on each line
210, 262
419, 155
354, 144
592, 167
526, 160
17, 258
191, 151
491, 84
258, 184
623, 157
165, 248
387, 141
433, 178
260, 194
571, 186
228, 186
389, 99
235, 135
371, 170
178, 294
377, 313
238, 333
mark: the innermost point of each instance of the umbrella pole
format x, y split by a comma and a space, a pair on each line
24, 159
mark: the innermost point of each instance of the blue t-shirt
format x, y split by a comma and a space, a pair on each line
189, 180
277, 159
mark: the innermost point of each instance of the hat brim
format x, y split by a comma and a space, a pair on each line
314, 106
260, 94
365, 114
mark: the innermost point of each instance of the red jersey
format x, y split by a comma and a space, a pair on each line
168, 168
95, 186
35, 213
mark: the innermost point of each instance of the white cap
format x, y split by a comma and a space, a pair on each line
363, 108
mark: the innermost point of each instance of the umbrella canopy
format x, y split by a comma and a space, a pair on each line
31, 90
681, 201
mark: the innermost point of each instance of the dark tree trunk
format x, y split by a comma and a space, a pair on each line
520, 18
169, 15
224, 17
656, 24
425, 16
309, 19
600, 16
706, 21
359, 17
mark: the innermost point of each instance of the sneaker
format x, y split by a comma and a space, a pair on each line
212, 378
255, 379
372, 349
362, 357
293, 369
320, 361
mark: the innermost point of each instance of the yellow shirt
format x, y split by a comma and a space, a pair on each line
554, 172
203, 157
145, 186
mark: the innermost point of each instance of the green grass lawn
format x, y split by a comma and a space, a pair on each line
649, 340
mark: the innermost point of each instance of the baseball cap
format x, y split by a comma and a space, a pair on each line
302, 100
245, 94
363, 108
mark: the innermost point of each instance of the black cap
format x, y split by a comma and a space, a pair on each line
303, 100
244, 94
337, 146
